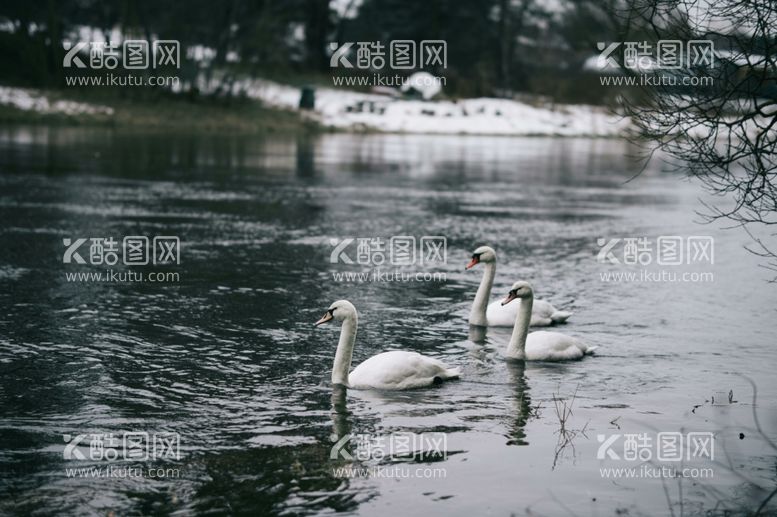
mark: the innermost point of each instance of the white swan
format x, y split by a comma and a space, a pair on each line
496, 314
540, 345
389, 370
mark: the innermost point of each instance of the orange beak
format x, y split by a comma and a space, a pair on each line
510, 297
326, 317
472, 263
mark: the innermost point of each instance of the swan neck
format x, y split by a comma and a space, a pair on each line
478, 314
517, 346
344, 352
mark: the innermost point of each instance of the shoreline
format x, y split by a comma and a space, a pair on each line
164, 112
249, 113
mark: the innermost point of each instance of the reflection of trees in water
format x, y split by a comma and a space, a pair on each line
268, 480
719, 130
305, 156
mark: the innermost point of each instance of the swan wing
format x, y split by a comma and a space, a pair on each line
542, 309
499, 315
560, 316
400, 370
543, 314
554, 346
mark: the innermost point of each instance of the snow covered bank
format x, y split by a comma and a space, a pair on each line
343, 109
354, 111
34, 100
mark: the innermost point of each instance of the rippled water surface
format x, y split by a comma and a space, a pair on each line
228, 357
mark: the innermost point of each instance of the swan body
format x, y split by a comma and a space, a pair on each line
542, 345
539, 345
396, 370
399, 370
497, 314
543, 314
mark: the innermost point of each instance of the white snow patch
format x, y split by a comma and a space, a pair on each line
423, 82
34, 100
345, 109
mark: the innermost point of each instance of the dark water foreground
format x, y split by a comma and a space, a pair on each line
224, 357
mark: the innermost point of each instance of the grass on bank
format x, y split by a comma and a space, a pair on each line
165, 111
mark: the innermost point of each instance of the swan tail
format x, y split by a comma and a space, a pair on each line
560, 316
590, 350
452, 373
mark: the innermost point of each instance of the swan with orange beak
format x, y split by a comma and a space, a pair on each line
497, 315
396, 370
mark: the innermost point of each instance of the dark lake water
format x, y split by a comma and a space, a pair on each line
226, 356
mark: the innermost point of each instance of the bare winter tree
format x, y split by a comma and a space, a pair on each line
716, 115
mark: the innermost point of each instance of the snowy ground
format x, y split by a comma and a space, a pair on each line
345, 109
349, 110
34, 100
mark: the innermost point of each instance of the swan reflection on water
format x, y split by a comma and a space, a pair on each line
520, 403
341, 417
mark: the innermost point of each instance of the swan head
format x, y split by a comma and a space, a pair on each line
482, 254
520, 290
339, 310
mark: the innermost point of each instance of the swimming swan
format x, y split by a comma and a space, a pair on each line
496, 314
540, 345
387, 371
